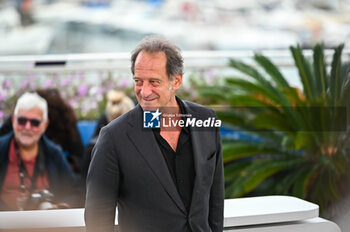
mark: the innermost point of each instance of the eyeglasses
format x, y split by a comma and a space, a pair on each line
33, 122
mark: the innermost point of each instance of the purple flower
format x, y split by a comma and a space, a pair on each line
124, 83
48, 83
71, 102
6, 84
83, 90
211, 75
100, 91
2, 96
29, 76
25, 84
80, 75
2, 114
66, 82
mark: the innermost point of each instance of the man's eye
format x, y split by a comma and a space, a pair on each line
155, 82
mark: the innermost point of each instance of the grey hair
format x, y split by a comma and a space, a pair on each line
29, 101
156, 43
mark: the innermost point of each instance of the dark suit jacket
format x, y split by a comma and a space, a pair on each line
129, 170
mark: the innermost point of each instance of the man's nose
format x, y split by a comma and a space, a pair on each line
27, 125
146, 90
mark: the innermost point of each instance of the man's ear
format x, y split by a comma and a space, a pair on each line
177, 81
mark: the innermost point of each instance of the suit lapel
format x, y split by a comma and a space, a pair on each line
199, 145
198, 150
147, 146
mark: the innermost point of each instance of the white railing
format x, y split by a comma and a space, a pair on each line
121, 61
258, 214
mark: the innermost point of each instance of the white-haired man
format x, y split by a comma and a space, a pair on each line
30, 162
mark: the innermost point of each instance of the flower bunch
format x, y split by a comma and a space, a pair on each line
84, 91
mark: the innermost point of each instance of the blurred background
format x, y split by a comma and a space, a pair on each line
89, 41
82, 26
82, 48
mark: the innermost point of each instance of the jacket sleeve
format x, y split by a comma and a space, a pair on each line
61, 177
217, 192
102, 185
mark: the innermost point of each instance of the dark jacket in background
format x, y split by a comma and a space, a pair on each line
61, 178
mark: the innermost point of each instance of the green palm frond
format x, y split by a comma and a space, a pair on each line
335, 79
233, 170
273, 121
302, 146
244, 149
272, 70
305, 73
271, 93
320, 72
301, 184
257, 172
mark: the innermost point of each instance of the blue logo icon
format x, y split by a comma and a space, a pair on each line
151, 119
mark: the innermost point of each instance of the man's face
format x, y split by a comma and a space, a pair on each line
152, 86
26, 127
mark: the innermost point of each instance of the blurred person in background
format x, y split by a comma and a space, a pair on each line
34, 173
117, 104
63, 128
24, 8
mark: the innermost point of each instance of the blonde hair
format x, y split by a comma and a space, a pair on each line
117, 104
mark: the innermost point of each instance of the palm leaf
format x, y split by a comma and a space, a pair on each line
287, 180
335, 80
274, 94
345, 91
254, 88
304, 71
301, 184
213, 93
247, 100
300, 149
272, 70
231, 116
320, 71
250, 71
251, 99
259, 171
233, 169
274, 121
243, 149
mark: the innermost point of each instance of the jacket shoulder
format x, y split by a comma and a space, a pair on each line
4, 144
50, 145
4, 139
122, 120
53, 151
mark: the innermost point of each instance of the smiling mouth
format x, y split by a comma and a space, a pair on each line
148, 100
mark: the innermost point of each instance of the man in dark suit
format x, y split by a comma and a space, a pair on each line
165, 179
